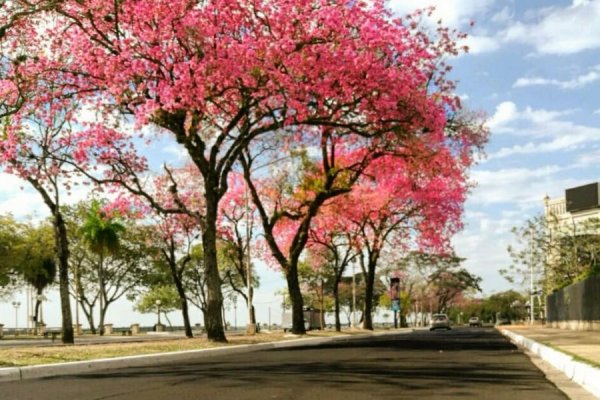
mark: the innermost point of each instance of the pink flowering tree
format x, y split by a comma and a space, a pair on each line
406, 203
217, 75
175, 237
173, 206
333, 240
31, 148
236, 227
402, 185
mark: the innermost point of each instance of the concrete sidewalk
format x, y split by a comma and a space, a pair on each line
575, 353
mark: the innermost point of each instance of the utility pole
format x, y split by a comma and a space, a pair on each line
531, 298
251, 327
353, 295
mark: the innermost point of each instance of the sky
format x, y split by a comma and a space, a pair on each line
533, 68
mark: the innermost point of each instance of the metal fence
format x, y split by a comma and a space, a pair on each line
577, 302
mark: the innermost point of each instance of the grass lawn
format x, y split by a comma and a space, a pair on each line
26, 356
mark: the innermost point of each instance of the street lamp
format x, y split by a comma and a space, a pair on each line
158, 303
251, 326
234, 299
531, 299
16, 305
323, 280
353, 321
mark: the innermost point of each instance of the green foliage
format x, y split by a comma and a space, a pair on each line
26, 254
41, 274
101, 232
316, 284
385, 302
509, 304
166, 294
345, 292
11, 238
558, 252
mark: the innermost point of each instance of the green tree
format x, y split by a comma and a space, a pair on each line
529, 254
10, 238
37, 261
159, 299
101, 233
555, 253
510, 305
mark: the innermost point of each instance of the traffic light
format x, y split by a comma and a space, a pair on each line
395, 288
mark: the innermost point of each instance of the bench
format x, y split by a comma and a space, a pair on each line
124, 331
52, 334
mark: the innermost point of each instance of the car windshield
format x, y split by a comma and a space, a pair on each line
439, 317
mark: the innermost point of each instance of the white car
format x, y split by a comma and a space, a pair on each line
439, 321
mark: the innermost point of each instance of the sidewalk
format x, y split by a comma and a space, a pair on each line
575, 353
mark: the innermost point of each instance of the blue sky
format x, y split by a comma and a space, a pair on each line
534, 68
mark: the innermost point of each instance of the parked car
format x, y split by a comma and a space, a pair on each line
474, 321
439, 321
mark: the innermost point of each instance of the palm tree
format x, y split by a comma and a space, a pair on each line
101, 233
40, 275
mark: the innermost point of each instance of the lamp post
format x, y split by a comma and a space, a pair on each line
234, 299
323, 280
16, 305
251, 327
531, 299
158, 303
353, 321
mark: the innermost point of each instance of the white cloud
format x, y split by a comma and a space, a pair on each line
574, 83
452, 12
481, 44
504, 16
597, 112
525, 185
564, 143
506, 112
561, 30
18, 199
507, 115
589, 158
545, 131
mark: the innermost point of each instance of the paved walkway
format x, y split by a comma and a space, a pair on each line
574, 355
11, 341
582, 344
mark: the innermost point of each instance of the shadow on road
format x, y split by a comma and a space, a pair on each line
456, 364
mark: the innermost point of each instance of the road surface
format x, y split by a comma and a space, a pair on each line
465, 363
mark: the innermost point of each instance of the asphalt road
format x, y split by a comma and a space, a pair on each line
460, 364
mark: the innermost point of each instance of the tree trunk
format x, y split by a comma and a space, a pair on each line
336, 296
182, 297
62, 250
36, 313
369, 286
253, 310
296, 299
212, 317
102, 318
184, 310
102, 297
89, 315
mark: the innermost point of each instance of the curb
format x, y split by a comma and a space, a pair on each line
583, 374
78, 367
